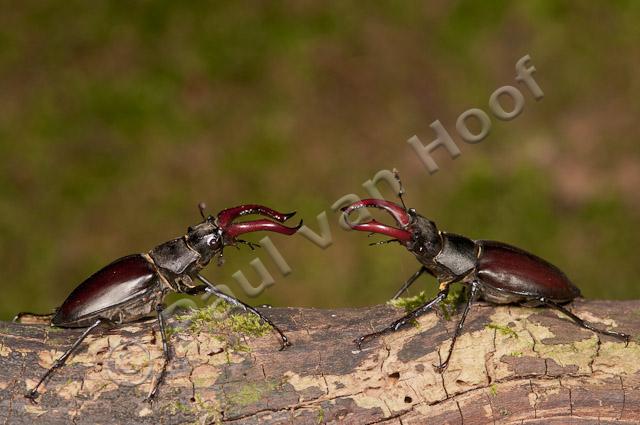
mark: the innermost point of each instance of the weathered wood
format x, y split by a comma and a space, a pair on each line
512, 365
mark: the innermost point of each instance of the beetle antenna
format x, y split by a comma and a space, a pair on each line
202, 208
401, 192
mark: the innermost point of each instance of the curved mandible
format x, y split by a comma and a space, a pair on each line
225, 217
400, 215
237, 229
397, 212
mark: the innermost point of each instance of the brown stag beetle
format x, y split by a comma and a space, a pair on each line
134, 286
492, 271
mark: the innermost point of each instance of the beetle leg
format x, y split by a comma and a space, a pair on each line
582, 323
196, 290
167, 355
32, 318
409, 282
228, 298
33, 394
405, 319
472, 296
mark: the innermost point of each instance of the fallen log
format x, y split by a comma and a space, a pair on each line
511, 365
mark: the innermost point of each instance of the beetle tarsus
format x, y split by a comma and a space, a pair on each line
166, 353
440, 368
33, 394
284, 342
472, 296
362, 339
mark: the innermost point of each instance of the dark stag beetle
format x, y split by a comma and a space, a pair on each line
134, 286
491, 271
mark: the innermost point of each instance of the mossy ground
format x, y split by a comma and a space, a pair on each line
206, 412
504, 330
250, 393
221, 318
447, 306
409, 303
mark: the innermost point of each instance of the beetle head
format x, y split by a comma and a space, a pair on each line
425, 236
214, 233
417, 233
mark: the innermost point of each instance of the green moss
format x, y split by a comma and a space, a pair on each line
516, 354
320, 416
179, 407
409, 303
454, 298
493, 390
242, 348
251, 393
205, 412
209, 318
504, 330
215, 318
447, 306
170, 331
248, 324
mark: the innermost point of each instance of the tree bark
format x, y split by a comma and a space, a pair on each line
511, 365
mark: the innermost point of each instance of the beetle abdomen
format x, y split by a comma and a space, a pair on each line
119, 282
512, 270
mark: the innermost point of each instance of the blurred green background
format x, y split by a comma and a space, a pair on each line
117, 118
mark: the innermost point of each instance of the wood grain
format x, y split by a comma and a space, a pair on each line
511, 365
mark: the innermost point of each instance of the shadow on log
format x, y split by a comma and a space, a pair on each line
511, 365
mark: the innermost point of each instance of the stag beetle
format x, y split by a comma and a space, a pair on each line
134, 286
492, 271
